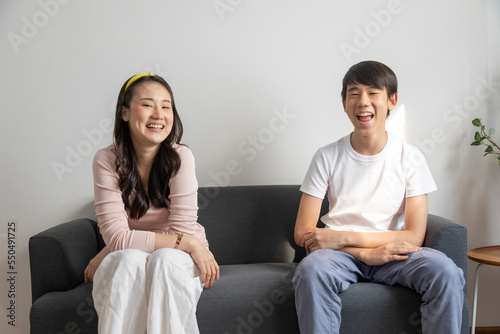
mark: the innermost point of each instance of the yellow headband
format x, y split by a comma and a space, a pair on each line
135, 77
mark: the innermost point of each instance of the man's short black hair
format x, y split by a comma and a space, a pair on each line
370, 73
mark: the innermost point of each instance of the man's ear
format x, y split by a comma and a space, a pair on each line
125, 112
391, 103
343, 104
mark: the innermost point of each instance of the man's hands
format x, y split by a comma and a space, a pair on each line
326, 238
323, 238
395, 251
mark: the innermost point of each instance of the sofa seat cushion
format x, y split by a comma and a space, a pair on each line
390, 309
69, 311
250, 298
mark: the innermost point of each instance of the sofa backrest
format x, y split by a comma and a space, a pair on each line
251, 224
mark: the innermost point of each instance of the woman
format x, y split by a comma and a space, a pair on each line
156, 258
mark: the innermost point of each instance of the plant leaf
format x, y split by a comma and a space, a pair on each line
477, 136
476, 122
476, 143
489, 149
482, 128
491, 132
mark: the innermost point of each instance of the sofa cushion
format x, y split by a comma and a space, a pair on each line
389, 309
251, 224
69, 311
252, 298
62, 254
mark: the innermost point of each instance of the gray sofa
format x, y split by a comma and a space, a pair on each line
250, 230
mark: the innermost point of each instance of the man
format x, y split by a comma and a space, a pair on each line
377, 189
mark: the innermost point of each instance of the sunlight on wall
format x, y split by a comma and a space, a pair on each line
396, 122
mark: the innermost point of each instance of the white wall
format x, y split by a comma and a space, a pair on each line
233, 71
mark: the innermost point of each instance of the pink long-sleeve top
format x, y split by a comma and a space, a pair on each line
121, 232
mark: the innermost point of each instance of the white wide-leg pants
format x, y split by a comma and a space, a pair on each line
136, 292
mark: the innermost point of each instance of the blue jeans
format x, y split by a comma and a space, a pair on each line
325, 273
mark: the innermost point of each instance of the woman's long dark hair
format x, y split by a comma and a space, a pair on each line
165, 164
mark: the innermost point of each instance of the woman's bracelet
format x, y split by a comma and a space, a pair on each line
178, 241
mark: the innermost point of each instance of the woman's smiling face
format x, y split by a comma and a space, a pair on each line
150, 116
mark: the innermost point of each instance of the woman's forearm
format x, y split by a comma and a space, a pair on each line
102, 254
187, 243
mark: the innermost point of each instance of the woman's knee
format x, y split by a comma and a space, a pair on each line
128, 256
170, 259
168, 255
122, 262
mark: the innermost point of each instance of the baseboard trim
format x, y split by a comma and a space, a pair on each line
487, 330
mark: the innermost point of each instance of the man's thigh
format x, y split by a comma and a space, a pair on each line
333, 266
414, 272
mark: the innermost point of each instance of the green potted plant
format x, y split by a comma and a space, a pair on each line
483, 138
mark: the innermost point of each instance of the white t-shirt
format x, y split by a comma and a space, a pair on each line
367, 193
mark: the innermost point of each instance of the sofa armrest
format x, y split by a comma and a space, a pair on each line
448, 237
59, 256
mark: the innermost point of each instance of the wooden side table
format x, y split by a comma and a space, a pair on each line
484, 255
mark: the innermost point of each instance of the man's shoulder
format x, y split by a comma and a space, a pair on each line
329, 154
400, 145
396, 140
334, 147
408, 154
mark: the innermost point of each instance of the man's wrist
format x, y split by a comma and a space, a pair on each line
345, 239
358, 253
362, 252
